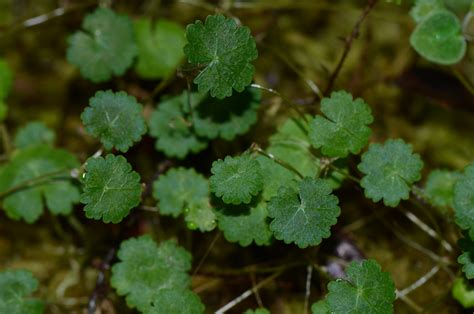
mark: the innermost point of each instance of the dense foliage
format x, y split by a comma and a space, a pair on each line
188, 102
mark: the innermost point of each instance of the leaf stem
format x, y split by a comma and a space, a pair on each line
248, 293
284, 98
421, 281
427, 229
36, 181
348, 44
282, 163
353, 178
206, 254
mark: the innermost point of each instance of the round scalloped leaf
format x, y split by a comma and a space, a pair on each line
464, 200
423, 8
115, 118
160, 47
56, 192
343, 129
173, 131
367, 289
178, 189
438, 38
390, 169
111, 188
228, 117
172, 301
6, 79
245, 223
105, 47
236, 179
225, 50
34, 133
15, 286
467, 257
439, 188
304, 216
146, 269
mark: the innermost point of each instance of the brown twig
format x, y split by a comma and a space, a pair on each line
101, 285
354, 34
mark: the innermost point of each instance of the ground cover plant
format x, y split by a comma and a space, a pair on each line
237, 156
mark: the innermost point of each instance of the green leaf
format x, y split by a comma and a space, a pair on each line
34, 133
105, 47
464, 200
257, 311
366, 290
178, 189
467, 257
245, 223
423, 8
115, 118
228, 117
236, 179
16, 285
146, 272
439, 188
172, 301
185, 191
438, 38
160, 47
171, 125
47, 169
390, 169
290, 144
6, 79
200, 216
320, 307
111, 188
463, 292
225, 50
304, 216
344, 129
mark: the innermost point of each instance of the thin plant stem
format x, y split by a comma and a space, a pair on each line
427, 229
37, 180
284, 98
412, 304
311, 84
282, 163
353, 178
76, 225
309, 274
206, 254
421, 281
257, 294
248, 293
348, 44
44, 18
